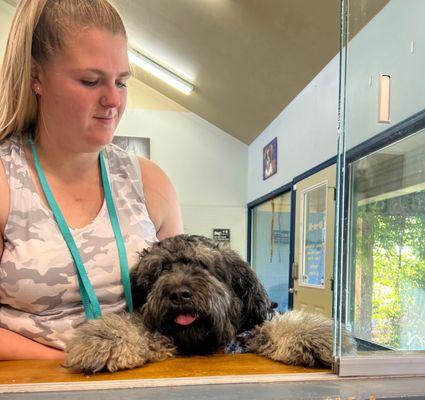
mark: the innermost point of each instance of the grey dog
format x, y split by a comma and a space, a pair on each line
192, 296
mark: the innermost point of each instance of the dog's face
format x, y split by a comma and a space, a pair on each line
190, 304
199, 294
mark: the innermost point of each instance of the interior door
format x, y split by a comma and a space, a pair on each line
312, 271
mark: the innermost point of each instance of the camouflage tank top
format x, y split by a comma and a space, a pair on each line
39, 292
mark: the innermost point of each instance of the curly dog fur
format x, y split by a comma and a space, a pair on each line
191, 296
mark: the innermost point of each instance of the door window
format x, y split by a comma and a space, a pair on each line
314, 236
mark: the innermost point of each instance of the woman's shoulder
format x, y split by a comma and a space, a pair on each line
10, 156
153, 175
7, 143
161, 199
122, 165
157, 186
6, 148
116, 152
160, 196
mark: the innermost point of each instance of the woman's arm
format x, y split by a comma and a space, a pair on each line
161, 200
16, 347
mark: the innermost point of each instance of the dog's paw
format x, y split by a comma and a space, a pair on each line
111, 343
298, 338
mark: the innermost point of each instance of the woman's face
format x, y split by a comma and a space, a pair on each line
82, 91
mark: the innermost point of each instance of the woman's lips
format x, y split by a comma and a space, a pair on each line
105, 120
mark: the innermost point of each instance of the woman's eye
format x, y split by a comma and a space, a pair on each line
121, 85
89, 83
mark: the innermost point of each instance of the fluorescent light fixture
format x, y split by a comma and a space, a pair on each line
159, 71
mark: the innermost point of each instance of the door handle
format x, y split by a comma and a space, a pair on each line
295, 270
292, 290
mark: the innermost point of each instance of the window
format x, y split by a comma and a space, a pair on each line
386, 293
270, 247
314, 236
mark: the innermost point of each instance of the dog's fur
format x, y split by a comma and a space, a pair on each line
192, 296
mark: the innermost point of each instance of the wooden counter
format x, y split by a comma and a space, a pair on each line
42, 375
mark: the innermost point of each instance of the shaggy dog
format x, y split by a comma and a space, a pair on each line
192, 296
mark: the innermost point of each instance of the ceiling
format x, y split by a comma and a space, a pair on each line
248, 59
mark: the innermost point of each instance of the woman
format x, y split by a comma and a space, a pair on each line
62, 94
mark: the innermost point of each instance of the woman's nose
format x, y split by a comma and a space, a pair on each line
111, 97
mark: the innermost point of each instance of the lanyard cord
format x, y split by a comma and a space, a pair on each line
88, 296
125, 277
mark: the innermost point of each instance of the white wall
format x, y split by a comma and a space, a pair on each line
384, 47
206, 165
306, 132
307, 128
6, 16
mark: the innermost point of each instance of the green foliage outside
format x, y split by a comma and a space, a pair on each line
390, 272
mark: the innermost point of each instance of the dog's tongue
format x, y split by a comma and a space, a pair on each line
184, 319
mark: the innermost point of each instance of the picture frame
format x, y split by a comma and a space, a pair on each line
270, 159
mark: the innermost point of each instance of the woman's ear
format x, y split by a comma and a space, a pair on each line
36, 85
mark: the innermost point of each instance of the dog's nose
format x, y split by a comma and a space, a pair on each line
180, 295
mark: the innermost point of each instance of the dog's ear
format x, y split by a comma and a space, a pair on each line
145, 274
256, 304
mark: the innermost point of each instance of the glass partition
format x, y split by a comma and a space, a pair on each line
270, 247
387, 255
384, 65
380, 242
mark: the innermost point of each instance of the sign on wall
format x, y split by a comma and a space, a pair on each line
221, 235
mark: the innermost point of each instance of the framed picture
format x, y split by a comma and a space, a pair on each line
270, 159
138, 146
221, 235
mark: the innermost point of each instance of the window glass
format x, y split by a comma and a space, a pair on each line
314, 236
270, 247
387, 256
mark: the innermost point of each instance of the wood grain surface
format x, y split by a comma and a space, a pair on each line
43, 371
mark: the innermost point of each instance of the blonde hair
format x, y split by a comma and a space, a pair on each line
41, 29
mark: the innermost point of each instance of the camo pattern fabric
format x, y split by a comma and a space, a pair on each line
39, 292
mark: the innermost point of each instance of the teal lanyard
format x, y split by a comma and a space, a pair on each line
88, 296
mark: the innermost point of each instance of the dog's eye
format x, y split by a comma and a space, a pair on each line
202, 265
166, 267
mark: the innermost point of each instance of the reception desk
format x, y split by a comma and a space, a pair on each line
41, 375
